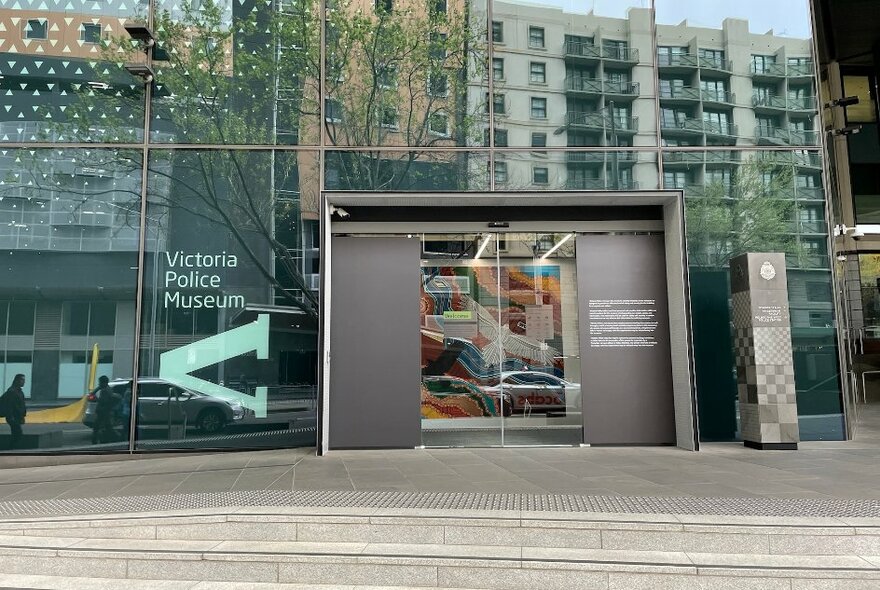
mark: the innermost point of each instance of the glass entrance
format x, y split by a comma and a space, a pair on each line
499, 334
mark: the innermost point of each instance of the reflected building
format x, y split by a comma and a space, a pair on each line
259, 111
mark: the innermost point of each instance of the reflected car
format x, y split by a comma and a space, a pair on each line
162, 402
453, 397
534, 391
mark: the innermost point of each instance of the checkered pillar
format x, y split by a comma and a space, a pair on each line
764, 364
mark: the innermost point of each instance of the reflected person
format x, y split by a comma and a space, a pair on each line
105, 411
14, 408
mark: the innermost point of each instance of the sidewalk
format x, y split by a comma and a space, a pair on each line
818, 471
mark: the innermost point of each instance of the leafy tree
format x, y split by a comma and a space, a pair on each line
753, 213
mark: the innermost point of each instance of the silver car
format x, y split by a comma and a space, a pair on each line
539, 392
161, 402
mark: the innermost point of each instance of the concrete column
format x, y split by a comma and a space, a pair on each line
764, 364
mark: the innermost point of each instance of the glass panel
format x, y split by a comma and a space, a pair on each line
863, 270
69, 222
394, 68
539, 330
716, 55
760, 201
229, 341
406, 171
597, 80
460, 341
63, 76
576, 170
237, 73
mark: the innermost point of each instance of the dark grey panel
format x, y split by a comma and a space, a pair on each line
375, 349
626, 366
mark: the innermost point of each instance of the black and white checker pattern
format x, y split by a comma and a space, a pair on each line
772, 346
775, 384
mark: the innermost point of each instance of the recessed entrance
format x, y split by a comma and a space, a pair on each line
470, 332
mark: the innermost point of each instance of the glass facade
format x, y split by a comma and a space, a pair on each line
159, 203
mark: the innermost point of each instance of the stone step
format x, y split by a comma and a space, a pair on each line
400, 565
622, 532
31, 582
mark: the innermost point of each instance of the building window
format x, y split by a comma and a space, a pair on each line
818, 292
540, 175
384, 5
536, 37
438, 85
500, 137
498, 104
386, 77
500, 172
820, 319
539, 140
437, 6
497, 68
712, 57
438, 46
332, 110
667, 56
537, 72
388, 117
674, 180
90, 33
36, 28
615, 49
539, 108
497, 31
438, 124
762, 63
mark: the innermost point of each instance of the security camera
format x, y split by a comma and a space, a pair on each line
339, 211
858, 234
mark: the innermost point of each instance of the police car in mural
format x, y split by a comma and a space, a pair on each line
534, 391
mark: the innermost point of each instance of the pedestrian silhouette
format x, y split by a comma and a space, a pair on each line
13, 407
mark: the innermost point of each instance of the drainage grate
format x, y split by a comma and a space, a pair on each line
449, 501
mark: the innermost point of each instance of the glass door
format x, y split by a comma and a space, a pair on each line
499, 332
459, 335
539, 334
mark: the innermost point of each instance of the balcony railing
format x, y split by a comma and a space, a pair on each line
680, 93
683, 157
807, 103
809, 261
627, 157
768, 70
800, 70
677, 60
723, 156
581, 84
809, 159
785, 136
717, 128
593, 184
810, 193
582, 49
723, 96
714, 63
601, 121
594, 86
811, 227
617, 53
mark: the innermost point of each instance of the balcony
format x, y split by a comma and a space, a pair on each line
621, 91
599, 184
802, 159
582, 51
679, 95
677, 61
622, 55
580, 85
598, 158
683, 158
725, 157
767, 71
712, 63
812, 227
804, 70
810, 193
769, 103
808, 261
805, 104
599, 121
720, 97
720, 129
780, 136
594, 87
682, 126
